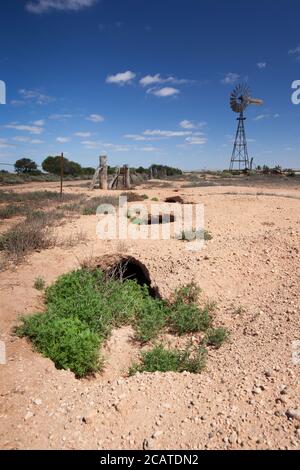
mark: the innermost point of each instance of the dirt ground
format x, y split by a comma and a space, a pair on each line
249, 395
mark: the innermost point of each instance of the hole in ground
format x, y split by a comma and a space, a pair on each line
129, 268
174, 200
160, 219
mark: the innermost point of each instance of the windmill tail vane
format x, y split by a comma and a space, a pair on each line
240, 98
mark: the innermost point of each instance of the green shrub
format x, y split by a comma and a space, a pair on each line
216, 337
78, 295
151, 319
188, 294
91, 205
12, 210
126, 299
39, 284
101, 304
190, 319
160, 359
191, 235
25, 237
67, 341
83, 307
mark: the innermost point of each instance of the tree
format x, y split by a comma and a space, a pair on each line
89, 171
53, 165
25, 165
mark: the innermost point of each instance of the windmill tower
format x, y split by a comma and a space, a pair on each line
240, 98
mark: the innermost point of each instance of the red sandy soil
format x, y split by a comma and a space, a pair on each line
249, 395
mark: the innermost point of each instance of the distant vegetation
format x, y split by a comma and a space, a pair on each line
52, 165
27, 170
26, 165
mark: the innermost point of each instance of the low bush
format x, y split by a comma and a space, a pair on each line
83, 307
188, 294
216, 337
39, 284
90, 206
190, 319
25, 237
192, 235
67, 341
160, 359
12, 210
133, 197
151, 319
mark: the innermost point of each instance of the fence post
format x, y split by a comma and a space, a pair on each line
103, 173
61, 175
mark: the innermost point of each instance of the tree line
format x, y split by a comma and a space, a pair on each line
52, 165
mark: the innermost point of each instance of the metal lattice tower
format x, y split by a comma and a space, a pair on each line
240, 154
240, 98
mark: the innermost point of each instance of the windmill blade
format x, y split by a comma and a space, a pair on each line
255, 101
239, 98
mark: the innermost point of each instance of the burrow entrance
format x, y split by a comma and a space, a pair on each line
127, 268
160, 219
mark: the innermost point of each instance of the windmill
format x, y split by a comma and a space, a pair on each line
240, 98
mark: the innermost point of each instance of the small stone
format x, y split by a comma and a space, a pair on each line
28, 415
233, 438
37, 402
157, 434
89, 417
293, 414
147, 444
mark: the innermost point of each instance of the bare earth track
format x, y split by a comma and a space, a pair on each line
251, 269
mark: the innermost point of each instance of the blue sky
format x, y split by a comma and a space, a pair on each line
148, 81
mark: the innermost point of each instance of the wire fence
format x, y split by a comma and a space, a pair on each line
2, 164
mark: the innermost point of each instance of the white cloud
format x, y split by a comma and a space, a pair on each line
35, 96
40, 122
91, 144
44, 6
166, 134
21, 139
163, 92
196, 140
36, 141
186, 124
60, 117
117, 148
17, 103
261, 117
261, 65
137, 137
121, 78
26, 128
95, 118
83, 134
147, 149
149, 80
63, 140
230, 78
295, 52
5, 144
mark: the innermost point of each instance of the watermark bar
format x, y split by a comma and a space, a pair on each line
2, 92
155, 222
